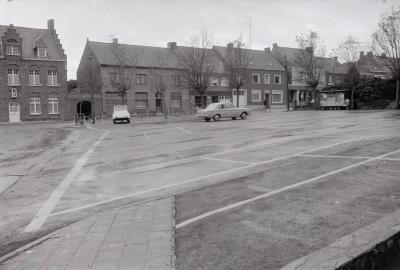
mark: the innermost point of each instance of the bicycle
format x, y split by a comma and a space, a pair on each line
90, 118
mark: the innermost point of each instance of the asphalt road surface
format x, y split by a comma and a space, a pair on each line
251, 194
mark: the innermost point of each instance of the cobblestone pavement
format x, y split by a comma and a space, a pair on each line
133, 237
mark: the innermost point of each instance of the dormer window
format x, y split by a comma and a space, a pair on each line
41, 52
14, 93
12, 47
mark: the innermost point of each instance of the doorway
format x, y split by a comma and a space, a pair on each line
14, 112
242, 97
267, 99
84, 107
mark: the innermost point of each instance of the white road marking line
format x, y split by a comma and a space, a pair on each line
280, 190
145, 135
200, 157
52, 201
184, 130
349, 157
190, 180
230, 161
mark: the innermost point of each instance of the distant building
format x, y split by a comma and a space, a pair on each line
371, 66
331, 71
33, 74
151, 74
267, 79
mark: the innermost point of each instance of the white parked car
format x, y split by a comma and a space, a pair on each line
121, 113
220, 110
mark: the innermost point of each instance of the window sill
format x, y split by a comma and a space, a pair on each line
53, 85
35, 113
35, 85
54, 113
14, 85
13, 54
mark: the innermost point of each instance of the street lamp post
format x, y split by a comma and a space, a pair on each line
91, 88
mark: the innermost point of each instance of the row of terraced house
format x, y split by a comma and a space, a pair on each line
33, 77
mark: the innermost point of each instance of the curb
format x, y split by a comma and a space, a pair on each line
30, 245
350, 249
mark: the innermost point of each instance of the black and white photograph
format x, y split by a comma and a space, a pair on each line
199, 135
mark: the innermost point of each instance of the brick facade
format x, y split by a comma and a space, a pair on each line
25, 59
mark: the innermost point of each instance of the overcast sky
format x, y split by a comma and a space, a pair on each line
155, 22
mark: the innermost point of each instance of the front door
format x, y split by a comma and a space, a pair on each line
13, 110
267, 100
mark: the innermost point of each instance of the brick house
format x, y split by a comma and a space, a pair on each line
33, 80
331, 71
153, 77
267, 79
218, 85
371, 66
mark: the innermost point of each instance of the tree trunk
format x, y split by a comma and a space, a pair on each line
352, 97
202, 100
397, 92
237, 98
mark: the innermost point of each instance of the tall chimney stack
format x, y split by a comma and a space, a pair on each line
115, 40
50, 25
267, 50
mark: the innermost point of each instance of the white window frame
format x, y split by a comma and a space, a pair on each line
224, 82
280, 79
276, 92
14, 93
214, 81
52, 77
252, 78
139, 78
258, 92
267, 78
14, 49
39, 55
34, 77
53, 106
13, 76
34, 107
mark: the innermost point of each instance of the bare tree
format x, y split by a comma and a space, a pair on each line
310, 72
348, 52
388, 39
161, 79
124, 69
237, 63
197, 63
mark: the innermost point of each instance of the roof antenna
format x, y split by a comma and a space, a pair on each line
248, 21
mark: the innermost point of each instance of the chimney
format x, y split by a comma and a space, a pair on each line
335, 58
267, 50
50, 25
115, 40
172, 45
361, 54
383, 55
274, 45
369, 54
229, 45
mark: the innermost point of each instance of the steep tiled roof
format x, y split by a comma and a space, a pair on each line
218, 65
258, 59
29, 37
331, 65
369, 64
143, 56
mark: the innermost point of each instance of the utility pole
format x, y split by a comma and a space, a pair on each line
90, 58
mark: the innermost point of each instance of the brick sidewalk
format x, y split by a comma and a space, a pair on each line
133, 237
